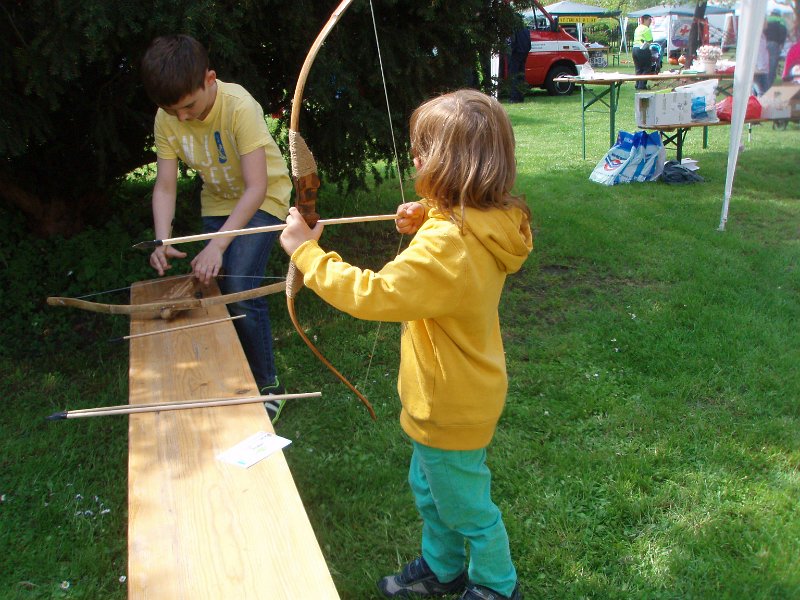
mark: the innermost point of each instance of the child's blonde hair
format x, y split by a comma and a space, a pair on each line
465, 143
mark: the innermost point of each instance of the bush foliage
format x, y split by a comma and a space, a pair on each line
74, 118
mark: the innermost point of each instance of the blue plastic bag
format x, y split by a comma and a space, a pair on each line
704, 100
636, 156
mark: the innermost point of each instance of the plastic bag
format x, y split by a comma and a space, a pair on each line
585, 71
725, 108
676, 174
636, 156
704, 100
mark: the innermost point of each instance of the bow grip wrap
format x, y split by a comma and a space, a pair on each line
306, 180
294, 281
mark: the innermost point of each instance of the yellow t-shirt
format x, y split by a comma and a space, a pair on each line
643, 36
213, 147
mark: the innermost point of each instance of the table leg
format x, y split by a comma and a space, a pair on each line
583, 118
681, 136
613, 100
586, 102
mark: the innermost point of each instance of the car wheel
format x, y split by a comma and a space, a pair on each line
559, 88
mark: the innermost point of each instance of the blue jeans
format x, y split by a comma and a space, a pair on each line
452, 490
774, 51
761, 83
246, 259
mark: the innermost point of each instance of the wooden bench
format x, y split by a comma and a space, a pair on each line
200, 528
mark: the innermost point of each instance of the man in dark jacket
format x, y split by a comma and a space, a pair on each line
520, 46
775, 32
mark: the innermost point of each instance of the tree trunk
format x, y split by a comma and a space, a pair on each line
56, 215
695, 35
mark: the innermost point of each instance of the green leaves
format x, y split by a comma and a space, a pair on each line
74, 118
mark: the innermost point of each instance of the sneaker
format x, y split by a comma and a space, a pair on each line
416, 580
274, 408
479, 592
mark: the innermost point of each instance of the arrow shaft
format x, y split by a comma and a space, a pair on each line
126, 409
179, 328
251, 230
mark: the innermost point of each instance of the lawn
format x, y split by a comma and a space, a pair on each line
650, 446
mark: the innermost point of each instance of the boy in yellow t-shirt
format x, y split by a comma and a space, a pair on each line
218, 129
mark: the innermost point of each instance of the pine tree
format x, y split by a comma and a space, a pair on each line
74, 119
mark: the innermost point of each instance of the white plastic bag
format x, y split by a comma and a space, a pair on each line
585, 71
636, 156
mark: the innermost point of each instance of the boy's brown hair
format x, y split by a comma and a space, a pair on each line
173, 67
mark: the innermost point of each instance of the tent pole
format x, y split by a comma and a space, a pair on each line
753, 13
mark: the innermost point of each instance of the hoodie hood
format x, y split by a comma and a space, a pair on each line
506, 234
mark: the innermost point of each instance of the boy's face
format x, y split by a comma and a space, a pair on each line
198, 104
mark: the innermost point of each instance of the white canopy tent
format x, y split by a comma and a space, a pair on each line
751, 23
672, 22
727, 24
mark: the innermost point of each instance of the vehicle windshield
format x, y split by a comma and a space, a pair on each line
534, 19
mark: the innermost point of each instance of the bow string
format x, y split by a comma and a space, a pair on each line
306, 182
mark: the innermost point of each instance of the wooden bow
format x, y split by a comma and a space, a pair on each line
306, 183
166, 308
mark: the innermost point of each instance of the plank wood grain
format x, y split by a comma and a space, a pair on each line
199, 528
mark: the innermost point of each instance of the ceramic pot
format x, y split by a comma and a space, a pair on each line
710, 67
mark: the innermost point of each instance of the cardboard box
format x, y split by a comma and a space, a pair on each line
781, 102
673, 108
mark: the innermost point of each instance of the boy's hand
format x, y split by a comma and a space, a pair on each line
159, 259
410, 217
207, 264
297, 232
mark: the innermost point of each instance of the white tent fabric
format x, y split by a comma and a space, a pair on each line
726, 25
669, 19
623, 43
750, 25
772, 6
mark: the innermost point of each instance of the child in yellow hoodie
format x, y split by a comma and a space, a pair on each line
470, 233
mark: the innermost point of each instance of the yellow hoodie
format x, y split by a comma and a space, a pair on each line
445, 287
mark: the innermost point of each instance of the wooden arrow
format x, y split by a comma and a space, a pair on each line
147, 245
126, 409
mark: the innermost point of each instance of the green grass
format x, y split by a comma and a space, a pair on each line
650, 447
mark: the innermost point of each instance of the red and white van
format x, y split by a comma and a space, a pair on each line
553, 52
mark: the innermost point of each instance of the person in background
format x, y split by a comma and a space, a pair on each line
520, 46
470, 232
761, 81
775, 32
642, 56
218, 129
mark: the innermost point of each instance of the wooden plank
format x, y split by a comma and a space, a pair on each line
701, 124
197, 527
600, 78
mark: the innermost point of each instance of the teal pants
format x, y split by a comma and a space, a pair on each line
452, 490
